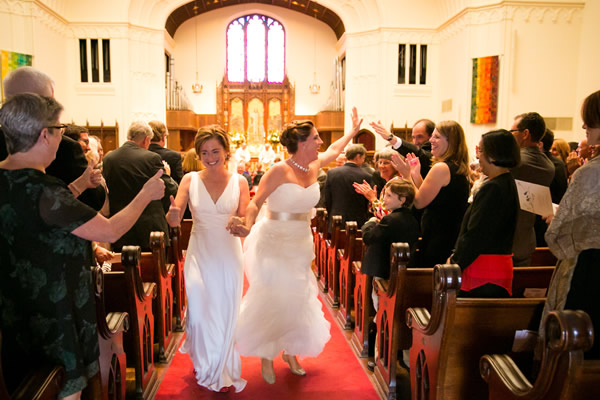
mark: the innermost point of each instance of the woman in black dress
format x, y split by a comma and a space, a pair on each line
484, 246
46, 294
443, 193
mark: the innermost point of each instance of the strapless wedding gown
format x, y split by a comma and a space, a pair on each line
213, 283
281, 309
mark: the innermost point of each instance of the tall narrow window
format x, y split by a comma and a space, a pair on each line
402, 63
255, 50
255, 36
412, 66
106, 60
423, 65
94, 60
83, 67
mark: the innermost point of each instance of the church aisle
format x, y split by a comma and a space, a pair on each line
336, 374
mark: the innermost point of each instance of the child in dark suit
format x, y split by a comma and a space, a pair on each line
398, 226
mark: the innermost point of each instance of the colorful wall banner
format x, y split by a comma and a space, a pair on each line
9, 61
484, 95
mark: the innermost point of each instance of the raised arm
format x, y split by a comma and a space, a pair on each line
336, 147
110, 230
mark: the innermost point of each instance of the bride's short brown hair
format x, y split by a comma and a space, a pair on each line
294, 132
205, 133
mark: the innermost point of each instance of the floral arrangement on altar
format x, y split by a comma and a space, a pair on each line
273, 137
237, 138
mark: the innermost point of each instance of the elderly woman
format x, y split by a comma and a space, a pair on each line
573, 235
48, 310
484, 246
443, 193
385, 172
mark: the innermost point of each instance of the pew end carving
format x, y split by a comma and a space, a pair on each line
351, 252
322, 255
154, 268
336, 241
126, 292
448, 342
113, 361
363, 310
316, 228
564, 374
175, 257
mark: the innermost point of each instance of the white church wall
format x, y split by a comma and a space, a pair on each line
310, 45
537, 63
588, 78
372, 79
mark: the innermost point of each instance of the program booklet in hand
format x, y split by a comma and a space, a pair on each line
534, 198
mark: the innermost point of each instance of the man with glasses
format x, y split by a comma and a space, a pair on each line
528, 129
171, 157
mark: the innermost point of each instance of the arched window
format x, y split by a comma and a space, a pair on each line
255, 50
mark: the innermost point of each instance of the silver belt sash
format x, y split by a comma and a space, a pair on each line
285, 216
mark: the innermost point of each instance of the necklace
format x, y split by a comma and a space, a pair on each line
300, 167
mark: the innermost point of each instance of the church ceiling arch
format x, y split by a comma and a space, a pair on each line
308, 7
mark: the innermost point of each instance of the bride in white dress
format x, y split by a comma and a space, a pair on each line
213, 263
281, 310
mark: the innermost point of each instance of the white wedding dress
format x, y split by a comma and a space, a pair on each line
213, 284
281, 309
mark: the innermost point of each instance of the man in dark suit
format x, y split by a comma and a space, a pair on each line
126, 169
528, 129
340, 196
157, 145
421, 132
558, 187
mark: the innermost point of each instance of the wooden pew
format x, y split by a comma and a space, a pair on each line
449, 342
352, 251
155, 269
175, 257
336, 241
42, 383
186, 231
322, 255
316, 228
405, 288
363, 310
113, 362
542, 256
126, 292
413, 288
564, 374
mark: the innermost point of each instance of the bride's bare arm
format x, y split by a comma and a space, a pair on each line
244, 197
336, 147
274, 177
175, 213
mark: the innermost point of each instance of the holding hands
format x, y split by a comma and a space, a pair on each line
236, 226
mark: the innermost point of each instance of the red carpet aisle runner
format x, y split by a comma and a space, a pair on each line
335, 374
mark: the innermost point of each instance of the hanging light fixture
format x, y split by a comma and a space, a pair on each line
196, 87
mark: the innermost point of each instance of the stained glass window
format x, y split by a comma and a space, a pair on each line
255, 50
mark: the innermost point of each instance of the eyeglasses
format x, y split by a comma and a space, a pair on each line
516, 130
62, 127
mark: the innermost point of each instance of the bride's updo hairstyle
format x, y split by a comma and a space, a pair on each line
294, 132
209, 132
